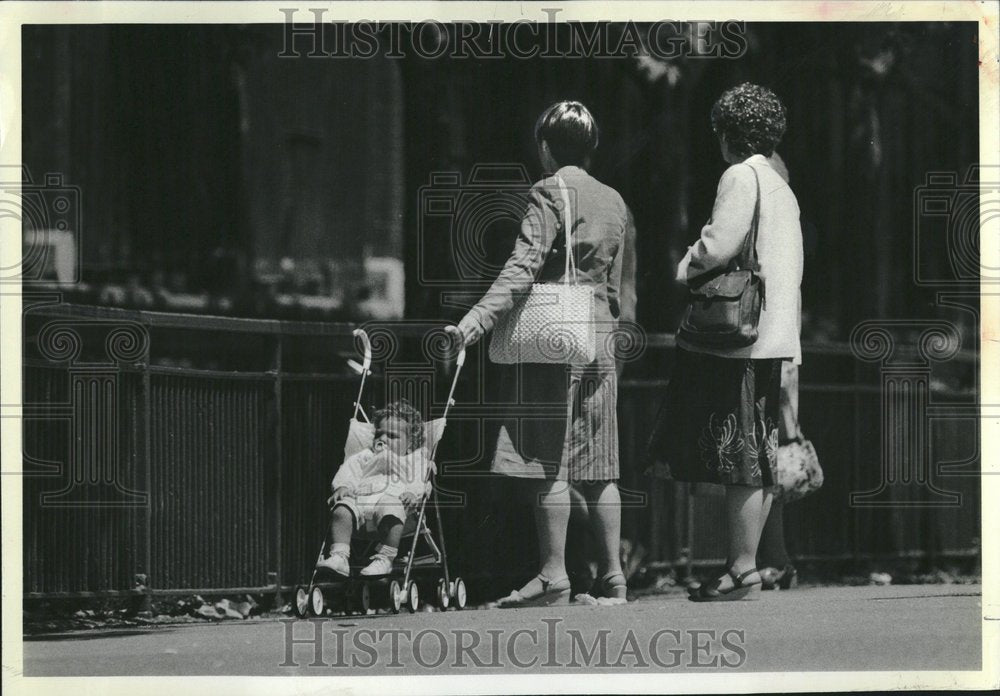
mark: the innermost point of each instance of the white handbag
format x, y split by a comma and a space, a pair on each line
798, 472
554, 322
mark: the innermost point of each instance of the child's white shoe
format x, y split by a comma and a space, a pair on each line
380, 565
337, 562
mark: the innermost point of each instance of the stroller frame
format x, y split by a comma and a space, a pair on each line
361, 593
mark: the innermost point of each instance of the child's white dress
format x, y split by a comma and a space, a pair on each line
377, 479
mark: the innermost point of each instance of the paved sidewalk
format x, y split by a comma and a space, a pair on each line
915, 627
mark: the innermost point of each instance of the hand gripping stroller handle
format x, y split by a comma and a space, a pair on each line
459, 362
366, 342
457, 335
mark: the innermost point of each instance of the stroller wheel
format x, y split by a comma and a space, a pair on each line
460, 595
301, 605
413, 597
364, 598
317, 602
395, 597
443, 599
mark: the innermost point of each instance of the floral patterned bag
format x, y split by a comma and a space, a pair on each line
798, 471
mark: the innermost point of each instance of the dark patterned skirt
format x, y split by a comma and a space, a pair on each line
718, 422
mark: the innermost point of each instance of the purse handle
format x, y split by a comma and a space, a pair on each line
568, 232
748, 257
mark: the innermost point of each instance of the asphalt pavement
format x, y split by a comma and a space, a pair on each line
913, 627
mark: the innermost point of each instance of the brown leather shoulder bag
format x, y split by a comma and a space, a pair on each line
723, 307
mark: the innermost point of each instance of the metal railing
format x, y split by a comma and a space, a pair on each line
171, 454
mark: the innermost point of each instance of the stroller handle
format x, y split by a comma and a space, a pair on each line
366, 342
454, 332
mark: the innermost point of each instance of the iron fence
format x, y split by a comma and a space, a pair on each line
170, 454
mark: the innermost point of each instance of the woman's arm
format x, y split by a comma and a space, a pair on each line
621, 276
538, 231
788, 426
722, 238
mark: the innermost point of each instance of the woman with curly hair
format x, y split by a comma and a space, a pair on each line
719, 419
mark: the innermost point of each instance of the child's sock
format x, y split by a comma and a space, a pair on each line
388, 551
341, 548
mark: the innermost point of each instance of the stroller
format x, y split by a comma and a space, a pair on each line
412, 577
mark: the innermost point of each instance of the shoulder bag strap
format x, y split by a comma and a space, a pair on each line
748, 256
570, 271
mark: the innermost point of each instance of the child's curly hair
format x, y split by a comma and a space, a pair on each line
751, 118
404, 410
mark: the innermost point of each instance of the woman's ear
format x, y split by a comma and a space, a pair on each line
545, 155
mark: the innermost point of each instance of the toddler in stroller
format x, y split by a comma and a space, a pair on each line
378, 488
385, 487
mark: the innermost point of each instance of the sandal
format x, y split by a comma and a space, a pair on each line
785, 579
612, 588
552, 592
738, 591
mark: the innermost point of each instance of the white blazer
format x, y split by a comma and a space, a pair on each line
779, 250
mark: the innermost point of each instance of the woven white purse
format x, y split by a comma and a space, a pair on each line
554, 322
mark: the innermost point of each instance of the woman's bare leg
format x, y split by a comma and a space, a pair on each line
772, 551
604, 505
552, 508
581, 547
746, 509
552, 520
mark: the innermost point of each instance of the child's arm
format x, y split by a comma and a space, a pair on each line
350, 472
412, 476
418, 486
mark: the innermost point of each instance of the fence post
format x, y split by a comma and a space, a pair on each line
656, 522
855, 527
681, 547
689, 527
145, 580
276, 541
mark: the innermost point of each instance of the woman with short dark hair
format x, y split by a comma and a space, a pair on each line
575, 440
570, 133
719, 421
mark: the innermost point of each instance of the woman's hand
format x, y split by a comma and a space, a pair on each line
469, 330
682, 268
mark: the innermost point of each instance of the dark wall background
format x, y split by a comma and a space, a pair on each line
198, 149
872, 109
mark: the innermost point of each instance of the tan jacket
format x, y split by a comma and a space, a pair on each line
600, 225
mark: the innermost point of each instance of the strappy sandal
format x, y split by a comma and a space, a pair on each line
553, 592
612, 588
785, 579
738, 591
